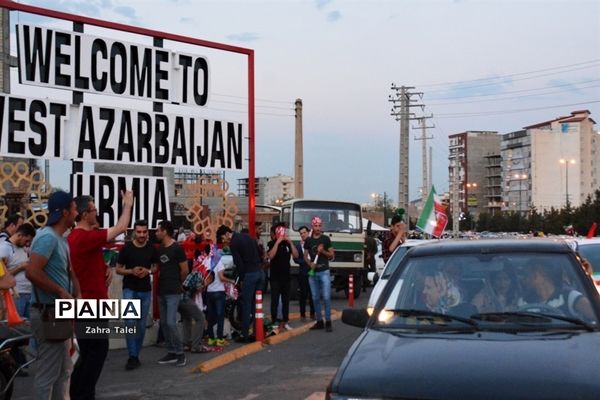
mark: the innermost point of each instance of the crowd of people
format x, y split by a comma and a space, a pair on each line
65, 260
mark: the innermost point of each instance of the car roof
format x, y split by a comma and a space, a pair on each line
586, 241
418, 242
541, 245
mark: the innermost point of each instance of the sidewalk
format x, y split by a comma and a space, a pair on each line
115, 382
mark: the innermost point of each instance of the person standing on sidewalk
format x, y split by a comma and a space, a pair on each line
303, 275
215, 295
136, 261
393, 238
317, 255
14, 256
12, 252
248, 264
280, 249
173, 269
52, 278
86, 241
10, 227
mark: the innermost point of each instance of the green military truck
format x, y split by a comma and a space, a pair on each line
342, 222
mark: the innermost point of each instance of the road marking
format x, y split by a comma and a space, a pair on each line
316, 396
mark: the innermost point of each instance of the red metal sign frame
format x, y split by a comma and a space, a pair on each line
11, 5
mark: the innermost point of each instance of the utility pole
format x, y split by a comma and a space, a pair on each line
423, 138
299, 163
430, 174
402, 101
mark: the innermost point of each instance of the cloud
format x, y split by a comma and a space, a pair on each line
243, 37
489, 86
334, 16
85, 8
127, 12
322, 3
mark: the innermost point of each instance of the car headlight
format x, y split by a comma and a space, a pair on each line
370, 310
358, 257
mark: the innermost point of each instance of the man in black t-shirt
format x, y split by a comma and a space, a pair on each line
173, 268
318, 252
280, 248
135, 262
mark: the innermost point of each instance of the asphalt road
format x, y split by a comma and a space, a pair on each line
298, 368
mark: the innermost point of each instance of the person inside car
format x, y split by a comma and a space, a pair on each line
547, 290
503, 296
439, 293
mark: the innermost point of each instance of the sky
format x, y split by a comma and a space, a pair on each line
481, 65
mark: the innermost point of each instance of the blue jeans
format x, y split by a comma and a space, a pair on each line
252, 282
168, 305
136, 341
22, 303
216, 313
320, 283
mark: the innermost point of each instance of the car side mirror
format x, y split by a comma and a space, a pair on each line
355, 317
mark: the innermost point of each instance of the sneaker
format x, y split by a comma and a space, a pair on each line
318, 325
132, 363
212, 341
328, 326
287, 327
170, 358
222, 342
180, 360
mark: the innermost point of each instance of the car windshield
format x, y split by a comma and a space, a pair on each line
335, 217
592, 253
488, 291
394, 261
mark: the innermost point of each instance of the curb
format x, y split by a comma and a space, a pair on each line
243, 351
282, 337
228, 357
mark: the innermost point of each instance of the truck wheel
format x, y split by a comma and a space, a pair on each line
358, 282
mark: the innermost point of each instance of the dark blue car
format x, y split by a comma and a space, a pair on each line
485, 319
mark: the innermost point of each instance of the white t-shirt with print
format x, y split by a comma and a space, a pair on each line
217, 285
16, 256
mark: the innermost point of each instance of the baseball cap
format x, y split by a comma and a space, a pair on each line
57, 202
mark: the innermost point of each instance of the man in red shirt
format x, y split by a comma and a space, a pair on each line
94, 276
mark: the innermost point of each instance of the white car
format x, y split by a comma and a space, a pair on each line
590, 249
390, 267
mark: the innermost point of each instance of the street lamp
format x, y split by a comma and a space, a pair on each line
566, 162
378, 196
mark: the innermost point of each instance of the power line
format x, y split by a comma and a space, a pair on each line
510, 75
246, 98
515, 91
513, 80
500, 112
509, 98
258, 106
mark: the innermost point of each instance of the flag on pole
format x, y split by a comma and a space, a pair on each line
433, 218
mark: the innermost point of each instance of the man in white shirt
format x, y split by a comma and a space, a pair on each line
14, 255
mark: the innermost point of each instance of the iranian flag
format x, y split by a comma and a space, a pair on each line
433, 218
